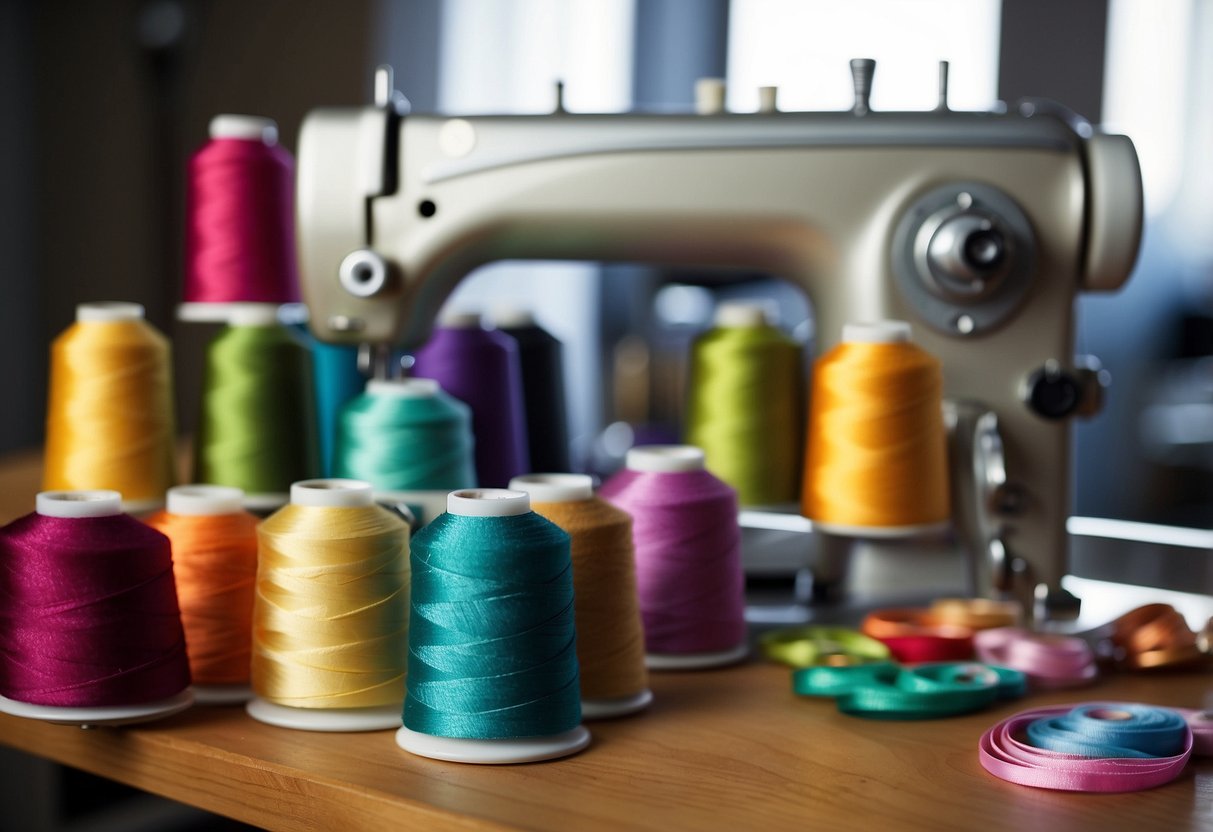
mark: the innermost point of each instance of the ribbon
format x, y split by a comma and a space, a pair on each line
1050, 661
811, 646
1154, 635
914, 636
976, 613
887, 691
1006, 755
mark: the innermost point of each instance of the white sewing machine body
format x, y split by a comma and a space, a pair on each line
978, 228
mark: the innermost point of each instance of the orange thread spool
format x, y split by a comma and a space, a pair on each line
876, 455
215, 566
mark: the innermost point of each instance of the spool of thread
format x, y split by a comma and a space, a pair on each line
1097, 747
1155, 636
90, 630
927, 691
541, 357
610, 640
975, 613
492, 659
336, 381
745, 405
215, 566
330, 615
109, 423
913, 636
688, 557
240, 228
822, 646
406, 435
1050, 661
481, 368
876, 456
257, 430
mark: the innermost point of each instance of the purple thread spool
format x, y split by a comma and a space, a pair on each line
688, 557
481, 368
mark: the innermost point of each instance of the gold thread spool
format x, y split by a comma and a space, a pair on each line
330, 617
215, 568
876, 455
610, 637
109, 422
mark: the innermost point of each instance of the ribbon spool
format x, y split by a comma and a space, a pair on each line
492, 661
913, 636
257, 431
409, 440
688, 557
1049, 661
876, 454
976, 613
109, 423
739, 363
928, 691
1097, 747
481, 368
102, 644
215, 568
240, 229
822, 646
610, 641
331, 611
1155, 636
541, 357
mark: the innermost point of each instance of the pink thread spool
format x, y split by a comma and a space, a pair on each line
688, 557
240, 229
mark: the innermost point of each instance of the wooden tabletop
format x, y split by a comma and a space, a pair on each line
727, 749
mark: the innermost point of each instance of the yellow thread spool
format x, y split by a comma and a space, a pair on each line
330, 615
109, 422
876, 454
610, 638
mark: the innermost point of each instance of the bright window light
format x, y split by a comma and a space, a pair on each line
804, 46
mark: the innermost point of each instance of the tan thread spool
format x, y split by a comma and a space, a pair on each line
610, 638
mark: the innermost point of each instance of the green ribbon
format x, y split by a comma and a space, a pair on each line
929, 691
812, 646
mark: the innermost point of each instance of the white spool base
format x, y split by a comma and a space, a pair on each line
612, 708
696, 661
206, 313
883, 532
222, 694
108, 715
494, 752
328, 720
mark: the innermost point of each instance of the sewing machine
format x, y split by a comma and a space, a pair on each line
978, 228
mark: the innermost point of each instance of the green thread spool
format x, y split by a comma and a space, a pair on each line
257, 430
745, 406
492, 674
406, 435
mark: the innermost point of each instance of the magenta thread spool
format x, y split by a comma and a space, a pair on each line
102, 643
688, 557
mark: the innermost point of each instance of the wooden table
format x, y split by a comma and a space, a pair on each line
728, 749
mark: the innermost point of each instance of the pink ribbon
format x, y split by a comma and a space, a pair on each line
1006, 756
1201, 723
1049, 661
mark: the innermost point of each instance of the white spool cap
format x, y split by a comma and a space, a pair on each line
709, 96
876, 332
404, 388
512, 317
252, 314
459, 319
249, 128
665, 459
768, 99
204, 500
488, 502
76, 504
555, 488
737, 313
332, 493
104, 312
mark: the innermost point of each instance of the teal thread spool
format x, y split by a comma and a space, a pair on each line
745, 405
408, 439
257, 430
337, 381
492, 672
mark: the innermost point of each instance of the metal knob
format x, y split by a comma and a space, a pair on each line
363, 273
1052, 392
862, 70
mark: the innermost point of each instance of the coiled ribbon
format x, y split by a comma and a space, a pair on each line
814, 646
913, 636
1154, 636
1097, 747
1050, 661
929, 691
